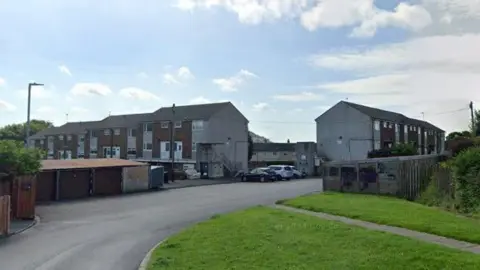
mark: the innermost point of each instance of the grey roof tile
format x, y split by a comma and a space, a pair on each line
125, 120
189, 112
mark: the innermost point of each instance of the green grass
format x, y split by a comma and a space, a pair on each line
264, 238
392, 211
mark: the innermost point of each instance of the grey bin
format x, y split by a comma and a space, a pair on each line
156, 177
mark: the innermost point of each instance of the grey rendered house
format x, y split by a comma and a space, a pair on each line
348, 131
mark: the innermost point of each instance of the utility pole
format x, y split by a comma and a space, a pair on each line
423, 115
172, 140
27, 131
472, 116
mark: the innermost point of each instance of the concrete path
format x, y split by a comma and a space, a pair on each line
451, 243
117, 232
18, 226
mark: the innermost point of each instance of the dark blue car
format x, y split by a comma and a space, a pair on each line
260, 175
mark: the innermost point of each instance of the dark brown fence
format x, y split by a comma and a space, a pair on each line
404, 177
4, 215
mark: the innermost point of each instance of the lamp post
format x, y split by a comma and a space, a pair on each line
27, 134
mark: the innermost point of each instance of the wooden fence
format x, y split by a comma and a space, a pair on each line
4, 215
404, 177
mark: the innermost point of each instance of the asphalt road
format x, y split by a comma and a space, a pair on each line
116, 233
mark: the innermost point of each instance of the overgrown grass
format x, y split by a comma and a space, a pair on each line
264, 238
392, 211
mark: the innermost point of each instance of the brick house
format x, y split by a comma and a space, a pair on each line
348, 131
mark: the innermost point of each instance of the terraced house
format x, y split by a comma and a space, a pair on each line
214, 136
348, 131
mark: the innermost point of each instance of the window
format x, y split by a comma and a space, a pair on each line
42, 142
116, 132
274, 153
385, 124
93, 151
147, 146
164, 124
50, 139
147, 127
194, 146
178, 124
69, 137
376, 125
132, 151
405, 128
376, 145
81, 138
167, 146
60, 137
419, 132
197, 125
333, 171
390, 125
397, 128
93, 134
132, 132
106, 132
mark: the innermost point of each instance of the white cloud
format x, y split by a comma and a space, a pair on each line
37, 92
142, 75
260, 106
303, 96
46, 109
180, 75
200, 100
431, 74
64, 69
90, 89
231, 84
5, 106
137, 94
77, 109
321, 13
2, 81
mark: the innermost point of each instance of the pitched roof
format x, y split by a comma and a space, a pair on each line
67, 128
125, 120
56, 164
273, 147
191, 112
391, 116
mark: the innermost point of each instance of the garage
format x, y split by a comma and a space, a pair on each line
74, 184
107, 181
46, 186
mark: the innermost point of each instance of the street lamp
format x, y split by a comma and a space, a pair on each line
27, 135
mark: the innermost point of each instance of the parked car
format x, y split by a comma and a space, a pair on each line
192, 174
260, 174
297, 174
284, 172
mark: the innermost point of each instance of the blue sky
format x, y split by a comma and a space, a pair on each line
282, 63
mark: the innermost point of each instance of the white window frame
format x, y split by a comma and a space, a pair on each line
397, 128
42, 142
130, 132
116, 132
376, 125
145, 146
376, 145
146, 125
81, 138
197, 125
194, 147
69, 137
178, 124
164, 124
405, 128
106, 132
50, 139
385, 124
60, 137
390, 125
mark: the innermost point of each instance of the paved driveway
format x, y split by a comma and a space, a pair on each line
115, 233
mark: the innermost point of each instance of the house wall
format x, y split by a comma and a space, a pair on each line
183, 134
146, 138
199, 136
225, 124
273, 156
139, 140
353, 127
112, 140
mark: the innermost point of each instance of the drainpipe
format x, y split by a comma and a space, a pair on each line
111, 143
172, 140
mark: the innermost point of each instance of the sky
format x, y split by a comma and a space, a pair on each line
282, 63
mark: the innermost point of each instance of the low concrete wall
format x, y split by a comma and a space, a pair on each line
135, 179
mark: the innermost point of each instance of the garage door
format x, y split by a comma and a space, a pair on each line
46, 186
108, 181
74, 184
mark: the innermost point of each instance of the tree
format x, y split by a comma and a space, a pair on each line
476, 128
250, 147
16, 132
15, 159
456, 134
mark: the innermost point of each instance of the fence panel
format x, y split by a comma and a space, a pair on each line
4, 215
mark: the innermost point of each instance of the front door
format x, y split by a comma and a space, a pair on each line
177, 149
165, 150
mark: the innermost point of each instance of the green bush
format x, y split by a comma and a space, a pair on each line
15, 159
437, 197
466, 169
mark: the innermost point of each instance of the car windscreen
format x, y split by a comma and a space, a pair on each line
276, 168
288, 168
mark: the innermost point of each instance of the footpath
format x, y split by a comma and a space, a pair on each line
440, 240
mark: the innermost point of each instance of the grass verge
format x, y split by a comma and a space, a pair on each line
264, 238
391, 211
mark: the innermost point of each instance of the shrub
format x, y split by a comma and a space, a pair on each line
15, 159
402, 149
466, 169
459, 144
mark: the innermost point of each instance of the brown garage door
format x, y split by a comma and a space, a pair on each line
74, 184
108, 181
46, 186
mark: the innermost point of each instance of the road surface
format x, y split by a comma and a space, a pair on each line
116, 233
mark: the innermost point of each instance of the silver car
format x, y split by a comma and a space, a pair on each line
284, 171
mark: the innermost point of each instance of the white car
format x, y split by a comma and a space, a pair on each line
284, 171
297, 174
192, 174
